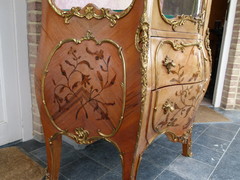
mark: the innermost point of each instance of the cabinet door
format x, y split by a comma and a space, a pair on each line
178, 15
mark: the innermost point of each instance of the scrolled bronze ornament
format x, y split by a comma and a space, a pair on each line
81, 136
90, 11
169, 64
179, 45
168, 106
142, 45
207, 44
181, 139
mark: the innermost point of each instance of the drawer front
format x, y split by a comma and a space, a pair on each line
175, 106
177, 61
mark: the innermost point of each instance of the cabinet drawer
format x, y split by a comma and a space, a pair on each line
174, 106
177, 61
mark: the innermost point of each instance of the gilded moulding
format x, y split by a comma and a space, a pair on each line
168, 64
81, 135
181, 139
207, 44
185, 139
90, 11
142, 45
182, 19
168, 106
178, 45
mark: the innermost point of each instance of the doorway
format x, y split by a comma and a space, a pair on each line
217, 19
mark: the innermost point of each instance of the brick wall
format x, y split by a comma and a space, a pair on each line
34, 27
231, 90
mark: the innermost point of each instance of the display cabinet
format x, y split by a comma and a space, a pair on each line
125, 74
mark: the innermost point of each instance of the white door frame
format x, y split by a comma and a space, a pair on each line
16, 122
224, 54
20, 9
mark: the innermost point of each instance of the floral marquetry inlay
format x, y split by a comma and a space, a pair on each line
85, 86
181, 105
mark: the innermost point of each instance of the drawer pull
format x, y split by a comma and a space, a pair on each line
168, 63
168, 106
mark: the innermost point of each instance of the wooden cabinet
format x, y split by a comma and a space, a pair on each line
124, 76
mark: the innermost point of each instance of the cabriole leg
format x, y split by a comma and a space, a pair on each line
53, 149
187, 147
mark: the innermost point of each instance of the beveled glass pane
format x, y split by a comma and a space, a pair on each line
173, 8
111, 4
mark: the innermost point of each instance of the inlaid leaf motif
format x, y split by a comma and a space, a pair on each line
63, 71
75, 85
54, 83
110, 104
176, 106
112, 81
104, 116
192, 98
90, 52
61, 89
109, 58
58, 98
173, 80
173, 72
181, 75
96, 107
86, 63
190, 79
85, 80
100, 78
188, 123
70, 64
105, 70
98, 54
187, 111
66, 99
86, 114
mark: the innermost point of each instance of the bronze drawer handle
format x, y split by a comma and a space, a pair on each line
168, 63
168, 107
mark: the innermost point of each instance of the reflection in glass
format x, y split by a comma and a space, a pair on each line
173, 8
111, 4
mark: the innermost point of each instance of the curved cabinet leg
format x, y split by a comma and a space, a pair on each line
53, 149
131, 156
187, 146
130, 163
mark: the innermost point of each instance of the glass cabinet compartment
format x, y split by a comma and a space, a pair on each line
116, 6
174, 8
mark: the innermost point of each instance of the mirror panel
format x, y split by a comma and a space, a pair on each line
174, 8
118, 5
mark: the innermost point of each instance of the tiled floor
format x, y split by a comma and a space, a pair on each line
216, 156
